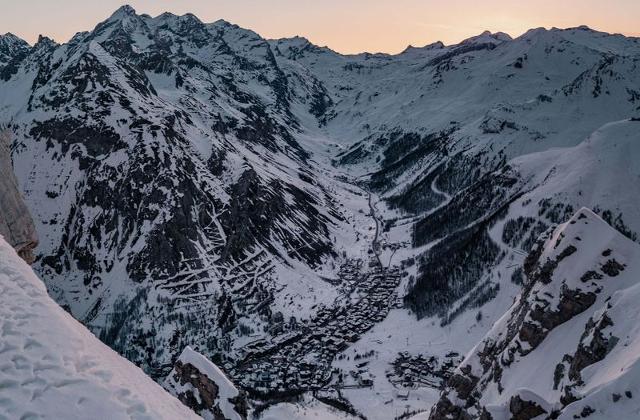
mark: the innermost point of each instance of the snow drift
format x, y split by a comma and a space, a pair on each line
52, 367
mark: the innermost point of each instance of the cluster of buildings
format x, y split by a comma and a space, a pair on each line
410, 371
301, 360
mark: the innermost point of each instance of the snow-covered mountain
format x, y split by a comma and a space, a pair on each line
310, 221
52, 366
568, 347
12, 51
160, 158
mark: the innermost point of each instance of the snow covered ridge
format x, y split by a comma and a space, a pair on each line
569, 346
203, 387
12, 51
52, 367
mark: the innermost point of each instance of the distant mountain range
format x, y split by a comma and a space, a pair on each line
282, 208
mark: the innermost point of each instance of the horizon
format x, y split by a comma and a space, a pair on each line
219, 220
388, 42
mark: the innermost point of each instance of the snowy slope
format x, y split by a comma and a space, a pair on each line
308, 408
602, 172
569, 344
269, 202
52, 367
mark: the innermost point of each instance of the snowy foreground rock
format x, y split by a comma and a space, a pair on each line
569, 346
52, 367
203, 387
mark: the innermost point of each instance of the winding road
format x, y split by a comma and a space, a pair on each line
375, 244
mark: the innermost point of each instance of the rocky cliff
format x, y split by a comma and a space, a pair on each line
568, 347
16, 224
204, 388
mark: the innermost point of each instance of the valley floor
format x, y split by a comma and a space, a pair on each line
354, 353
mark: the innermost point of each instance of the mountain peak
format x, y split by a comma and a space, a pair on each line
582, 28
126, 17
223, 24
187, 17
9, 35
489, 37
534, 32
44, 41
191, 17
124, 11
438, 45
11, 39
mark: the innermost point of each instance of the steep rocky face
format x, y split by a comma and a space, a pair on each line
200, 385
549, 352
16, 225
12, 51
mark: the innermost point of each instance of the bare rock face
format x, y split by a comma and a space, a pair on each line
533, 363
524, 410
16, 224
200, 385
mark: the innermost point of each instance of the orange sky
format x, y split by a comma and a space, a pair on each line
345, 25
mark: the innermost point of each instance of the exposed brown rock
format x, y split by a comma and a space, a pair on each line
598, 347
572, 302
524, 410
202, 386
16, 225
208, 392
612, 268
446, 410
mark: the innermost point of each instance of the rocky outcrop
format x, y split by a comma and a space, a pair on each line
523, 409
563, 322
16, 224
594, 346
200, 385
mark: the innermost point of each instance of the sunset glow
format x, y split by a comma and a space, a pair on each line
346, 26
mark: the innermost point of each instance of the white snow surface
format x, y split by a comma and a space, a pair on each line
602, 171
308, 408
51, 367
532, 375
